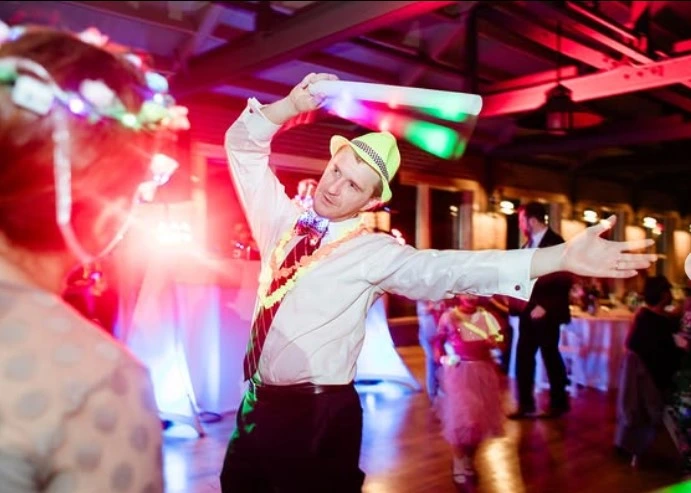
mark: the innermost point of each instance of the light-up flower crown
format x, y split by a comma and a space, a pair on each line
95, 100
33, 88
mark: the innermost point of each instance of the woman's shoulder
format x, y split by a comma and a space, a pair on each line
48, 345
46, 323
55, 363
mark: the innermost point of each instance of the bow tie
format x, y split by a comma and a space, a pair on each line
312, 225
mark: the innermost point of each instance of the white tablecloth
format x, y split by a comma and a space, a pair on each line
192, 332
592, 348
595, 347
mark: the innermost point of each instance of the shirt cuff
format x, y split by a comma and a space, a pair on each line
514, 273
260, 128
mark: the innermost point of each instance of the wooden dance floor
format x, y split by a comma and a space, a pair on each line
403, 452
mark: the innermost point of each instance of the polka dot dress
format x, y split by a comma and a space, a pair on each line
77, 411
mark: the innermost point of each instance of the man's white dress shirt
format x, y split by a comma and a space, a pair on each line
318, 330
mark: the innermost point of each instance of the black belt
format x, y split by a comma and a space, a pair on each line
263, 391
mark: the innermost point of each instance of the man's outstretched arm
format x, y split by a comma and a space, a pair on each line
589, 255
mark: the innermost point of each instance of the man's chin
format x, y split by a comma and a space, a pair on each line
324, 213
320, 208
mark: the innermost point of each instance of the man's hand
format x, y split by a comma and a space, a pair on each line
301, 97
588, 255
537, 313
681, 341
299, 100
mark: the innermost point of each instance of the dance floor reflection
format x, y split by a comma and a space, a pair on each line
403, 451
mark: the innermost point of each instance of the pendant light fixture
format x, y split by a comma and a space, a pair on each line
559, 106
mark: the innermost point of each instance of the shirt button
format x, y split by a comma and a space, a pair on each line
517, 287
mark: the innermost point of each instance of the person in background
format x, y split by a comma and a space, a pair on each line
680, 406
92, 291
652, 333
499, 307
653, 357
428, 315
469, 405
540, 321
77, 410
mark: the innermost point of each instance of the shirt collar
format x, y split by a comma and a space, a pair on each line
337, 229
537, 238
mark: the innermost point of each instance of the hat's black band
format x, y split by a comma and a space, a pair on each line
375, 157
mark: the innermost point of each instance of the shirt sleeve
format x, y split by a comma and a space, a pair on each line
438, 274
113, 441
268, 209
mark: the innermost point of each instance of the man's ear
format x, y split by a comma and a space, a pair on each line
372, 204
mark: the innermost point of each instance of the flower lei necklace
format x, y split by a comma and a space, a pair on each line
273, 271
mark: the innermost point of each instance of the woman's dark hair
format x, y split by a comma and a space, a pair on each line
654, 288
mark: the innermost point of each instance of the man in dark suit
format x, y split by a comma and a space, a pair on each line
540, 321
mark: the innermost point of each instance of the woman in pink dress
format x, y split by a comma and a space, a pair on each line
470, 402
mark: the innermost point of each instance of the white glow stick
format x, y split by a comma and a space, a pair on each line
687, 266
394, 96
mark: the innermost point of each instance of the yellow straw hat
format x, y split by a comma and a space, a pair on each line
379, 150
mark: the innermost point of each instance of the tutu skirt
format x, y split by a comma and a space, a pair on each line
470, 406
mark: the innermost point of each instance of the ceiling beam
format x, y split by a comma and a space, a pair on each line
571, 48
305, 32
567, 72
595, 34
360, 70
142, 13
434, 51
621, 80
207, 25
439, 46
636, 133
546, 37
515, 41
637, 8
255, 85
624, 49
683, 46
441, 67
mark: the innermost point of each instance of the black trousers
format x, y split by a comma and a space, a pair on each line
505, 360
540, 334
295, 443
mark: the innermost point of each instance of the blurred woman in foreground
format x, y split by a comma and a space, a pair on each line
78, 129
